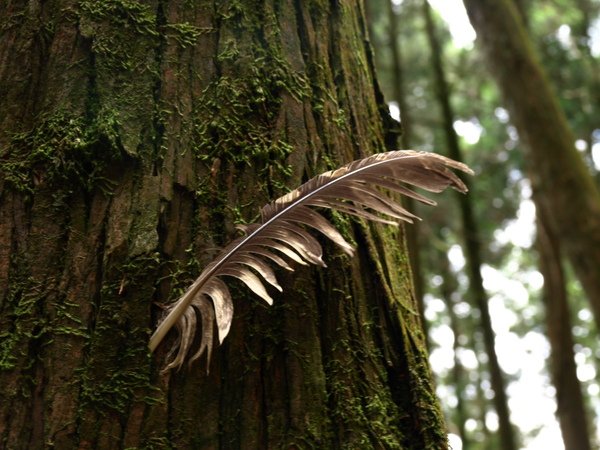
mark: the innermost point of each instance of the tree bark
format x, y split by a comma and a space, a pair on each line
472, 246
567, 194
133, 137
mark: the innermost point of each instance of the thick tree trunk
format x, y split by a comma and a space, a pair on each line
472, 246
567, 194
133, 137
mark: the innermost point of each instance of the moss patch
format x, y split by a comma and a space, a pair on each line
236, 117
368, 418
226, 124
25, 324
62, 150
118, 367
111, 23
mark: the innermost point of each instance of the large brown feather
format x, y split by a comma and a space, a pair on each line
353, 189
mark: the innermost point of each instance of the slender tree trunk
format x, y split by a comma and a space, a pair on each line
567, 194
448, 289
591, 64
398, 73
472, 245
489, 436
571, 410
133, 136
570, 404
412, 233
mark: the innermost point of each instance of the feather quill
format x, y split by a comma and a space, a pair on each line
354, 189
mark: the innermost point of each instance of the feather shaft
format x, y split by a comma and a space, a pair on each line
349, 189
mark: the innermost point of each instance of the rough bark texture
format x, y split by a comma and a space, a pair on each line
472, 245
133, 136
567, 194
570, 409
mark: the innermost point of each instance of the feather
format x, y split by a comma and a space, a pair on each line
354, 189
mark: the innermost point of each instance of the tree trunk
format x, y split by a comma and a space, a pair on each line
412, 232
570, 409
447, 290
133, 137
566, 192
570, 405
472, 245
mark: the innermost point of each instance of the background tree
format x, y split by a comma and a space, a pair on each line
388, 9
570, 404
561, 34
504, 213
129, 131
570, 409
471, 238
565, 189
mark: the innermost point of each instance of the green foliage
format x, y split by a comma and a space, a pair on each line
563, 36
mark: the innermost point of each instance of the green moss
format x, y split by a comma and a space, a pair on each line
111, 24
17, 18
371, 417
114, 389
180, 274
25, 323
393, 266
71, 324
128, 40
63, 150
184, 33
154, 443
226, 124
118, 369
421, 391
322, 96
235, 117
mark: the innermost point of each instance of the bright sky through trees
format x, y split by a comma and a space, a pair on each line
524, 358
455, 15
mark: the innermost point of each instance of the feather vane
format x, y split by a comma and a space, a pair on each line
358, 189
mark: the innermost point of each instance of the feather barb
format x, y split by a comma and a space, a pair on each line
358, 188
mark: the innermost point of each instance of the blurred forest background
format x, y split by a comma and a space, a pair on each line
515, 352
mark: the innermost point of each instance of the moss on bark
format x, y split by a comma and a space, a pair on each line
196, 113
